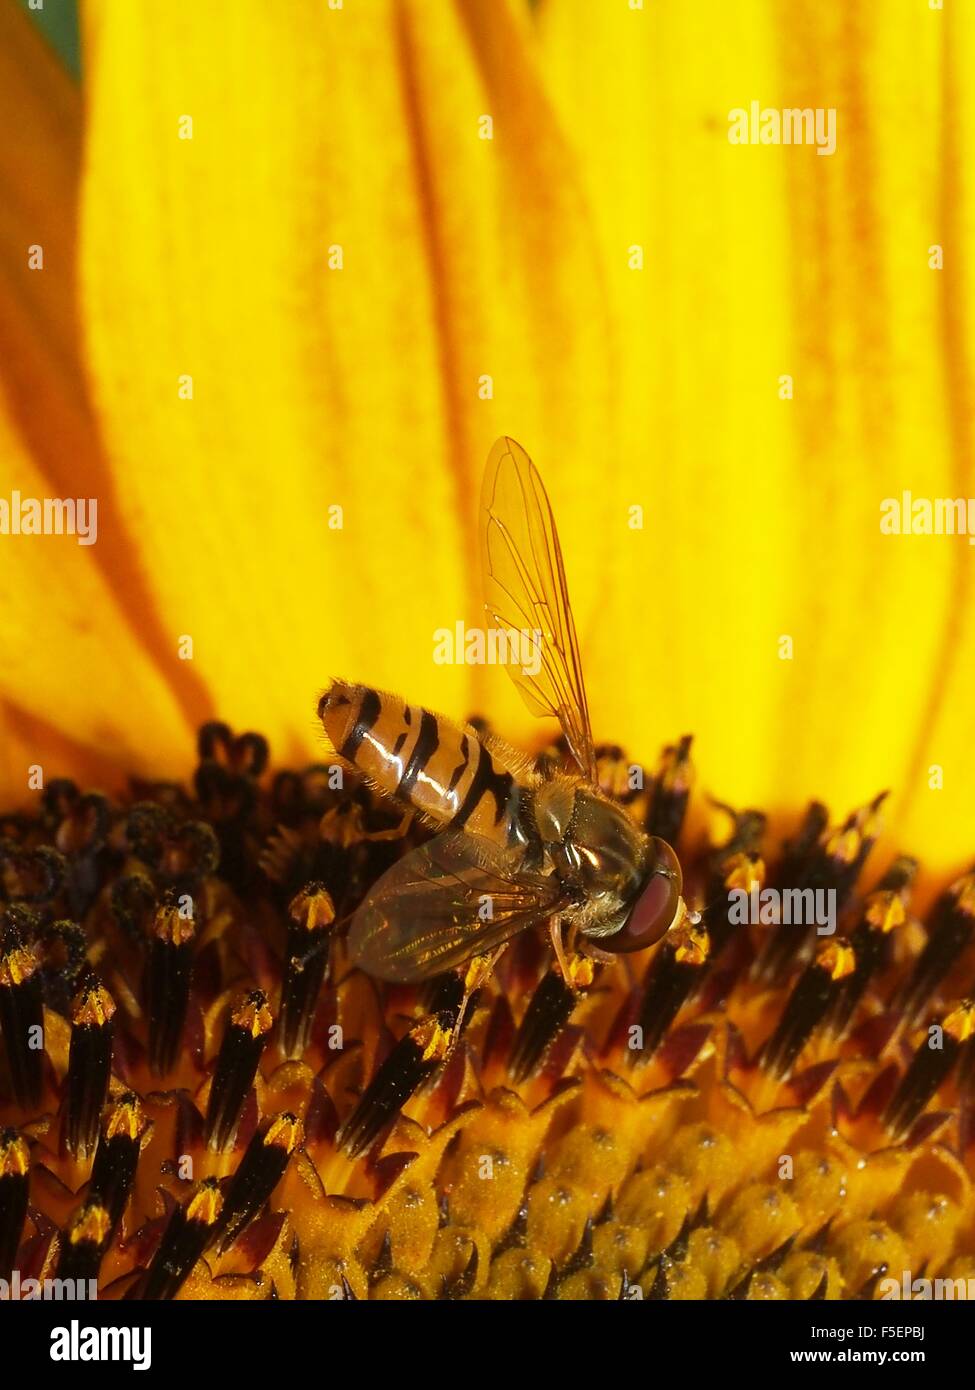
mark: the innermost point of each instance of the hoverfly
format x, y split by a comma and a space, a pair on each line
520, 844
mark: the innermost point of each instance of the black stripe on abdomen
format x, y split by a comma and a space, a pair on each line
461, 768
427, 742
485, 779
368, 714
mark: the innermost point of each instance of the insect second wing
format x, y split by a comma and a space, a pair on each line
455, 897
526, 591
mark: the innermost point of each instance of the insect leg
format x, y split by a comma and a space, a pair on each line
594, 953
398, 832
477, 975
555, 935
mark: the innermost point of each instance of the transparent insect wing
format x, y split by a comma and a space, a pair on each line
526, 591
455, 897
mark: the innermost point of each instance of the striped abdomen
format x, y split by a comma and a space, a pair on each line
421, 759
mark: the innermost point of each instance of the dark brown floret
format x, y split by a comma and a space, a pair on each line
199, 1094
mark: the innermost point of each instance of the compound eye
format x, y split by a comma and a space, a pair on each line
655, 909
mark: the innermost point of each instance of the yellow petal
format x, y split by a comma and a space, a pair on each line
316, 387
763, 513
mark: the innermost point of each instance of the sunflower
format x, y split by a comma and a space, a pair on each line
271, 286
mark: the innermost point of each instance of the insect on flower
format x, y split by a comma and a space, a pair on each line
520, 844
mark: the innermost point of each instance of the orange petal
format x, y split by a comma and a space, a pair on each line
77, 694
50, 449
